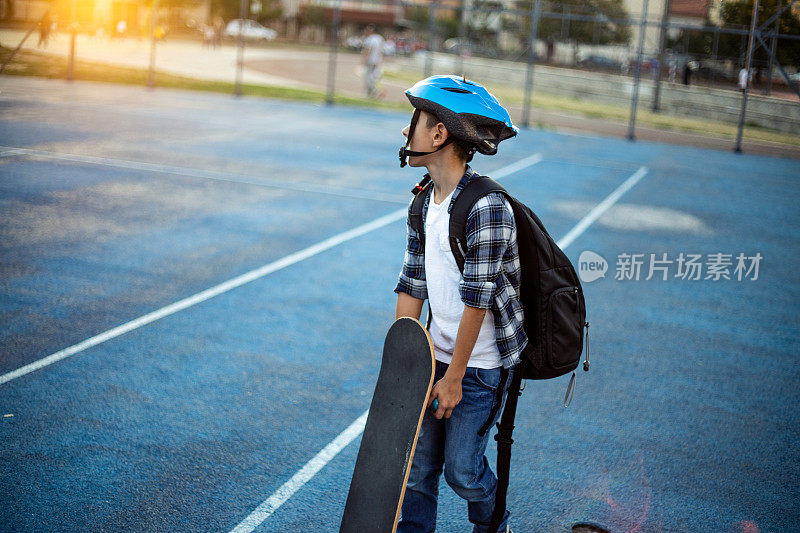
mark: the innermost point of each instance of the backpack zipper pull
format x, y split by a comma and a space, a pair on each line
586, 361
570, 391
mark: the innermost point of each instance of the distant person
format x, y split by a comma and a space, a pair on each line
219, 28
372, 59
122, 27
687, 73
209, 36
673, 71
160, 33
44, 30
744, 79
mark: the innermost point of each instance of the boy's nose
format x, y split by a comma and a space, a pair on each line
405, 131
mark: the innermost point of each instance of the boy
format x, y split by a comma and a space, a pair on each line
476, 322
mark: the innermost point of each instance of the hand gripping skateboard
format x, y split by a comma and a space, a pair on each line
390, 435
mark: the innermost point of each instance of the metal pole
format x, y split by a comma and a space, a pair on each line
774, 45
431, 30
71, 63
738, 147
462, 35
337, 13
152, 74
240, 51
714, 51
536, 9
74, 32
792, 85
637, 73
662, 37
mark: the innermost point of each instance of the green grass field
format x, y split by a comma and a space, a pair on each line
31, 63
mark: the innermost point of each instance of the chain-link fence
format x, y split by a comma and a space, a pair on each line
598, 59
640, 62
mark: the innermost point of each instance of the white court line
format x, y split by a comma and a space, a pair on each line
235, 282
213, 175
310, 469
601, 208
271, 504
12, 151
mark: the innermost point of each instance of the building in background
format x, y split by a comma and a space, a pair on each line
89, 14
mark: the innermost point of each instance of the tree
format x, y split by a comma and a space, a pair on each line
603, 30
313, 15
446, 26
739, 14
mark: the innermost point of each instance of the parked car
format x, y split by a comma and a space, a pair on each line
251, 29
468, 48
354, 43
407, 45
599, 62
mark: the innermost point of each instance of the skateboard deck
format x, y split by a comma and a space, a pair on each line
390, 434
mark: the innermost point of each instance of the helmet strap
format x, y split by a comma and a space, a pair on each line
405, 152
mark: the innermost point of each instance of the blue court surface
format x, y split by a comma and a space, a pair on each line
207, 410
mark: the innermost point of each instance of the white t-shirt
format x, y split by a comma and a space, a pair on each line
442, 278
374, 46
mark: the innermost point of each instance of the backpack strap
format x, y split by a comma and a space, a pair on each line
477, 188
504, 441
474, 190
415, 211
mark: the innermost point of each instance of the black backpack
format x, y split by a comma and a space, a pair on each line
550, 292
552, 301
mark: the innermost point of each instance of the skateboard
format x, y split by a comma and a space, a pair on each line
390, 435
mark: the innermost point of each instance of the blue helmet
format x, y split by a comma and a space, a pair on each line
470, 113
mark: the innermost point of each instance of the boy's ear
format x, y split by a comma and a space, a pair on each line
440, 132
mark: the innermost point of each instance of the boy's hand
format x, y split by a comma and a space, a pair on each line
448, 392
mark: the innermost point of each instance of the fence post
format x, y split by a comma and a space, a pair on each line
462, 34
153, 16
714, 50
738, 147
71, 63
662, 37
337, 13
532, 38
240, 50
774, 44
637, 74
431, 31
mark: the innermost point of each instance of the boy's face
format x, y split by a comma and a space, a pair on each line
425, 139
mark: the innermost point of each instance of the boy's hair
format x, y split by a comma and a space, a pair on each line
461, 152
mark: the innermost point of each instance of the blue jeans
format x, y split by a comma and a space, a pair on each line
453, 445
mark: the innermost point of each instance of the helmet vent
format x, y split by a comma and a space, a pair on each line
456, 90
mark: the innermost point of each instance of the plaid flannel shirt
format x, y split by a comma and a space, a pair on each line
491, 277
